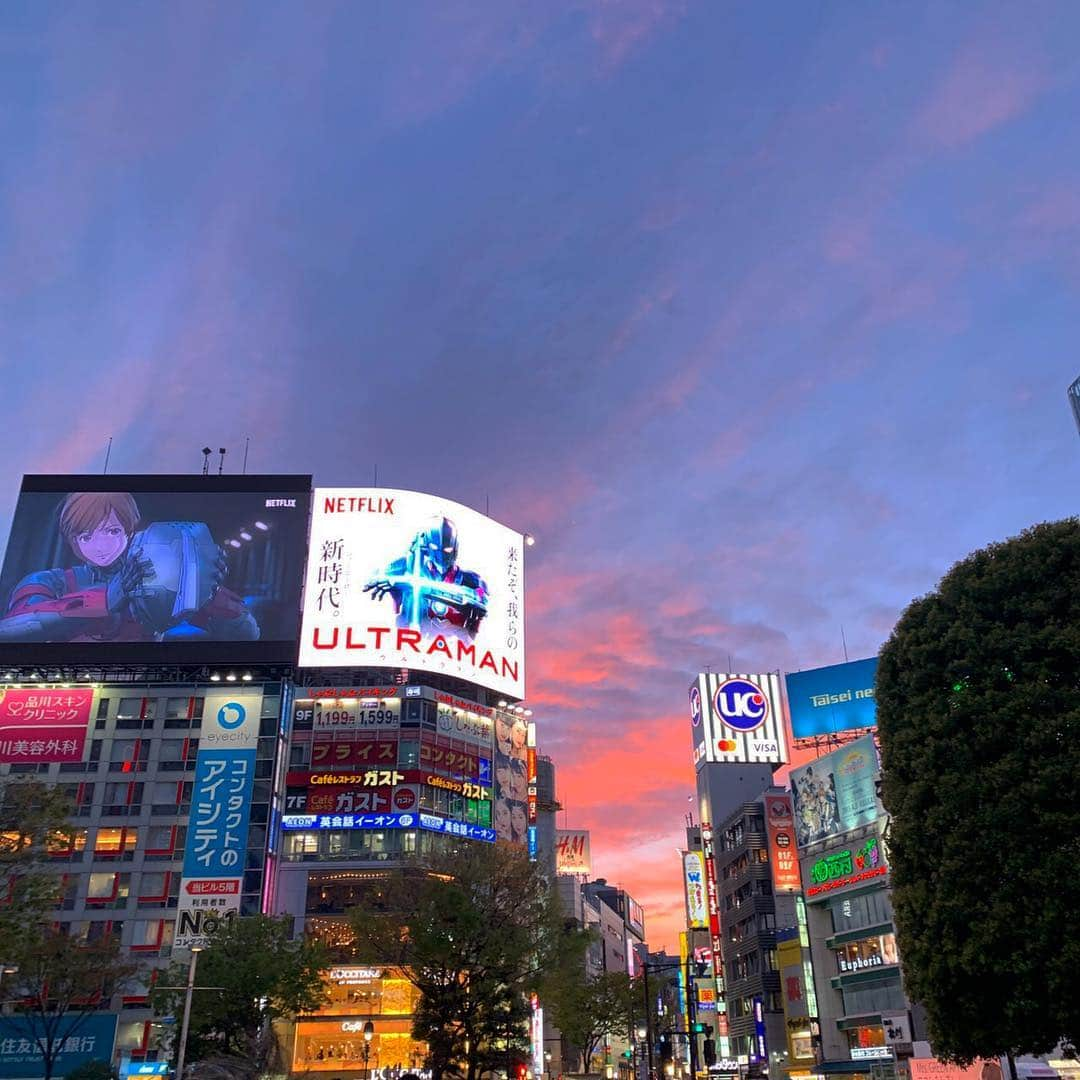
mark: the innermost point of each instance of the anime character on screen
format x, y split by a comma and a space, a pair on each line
157, 583
428, 587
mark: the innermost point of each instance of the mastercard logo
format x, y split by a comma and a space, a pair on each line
726, 746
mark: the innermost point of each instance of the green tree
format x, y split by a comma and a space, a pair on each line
60, 982
259, 974
33, 818
476, 931
587, 1008
978, 701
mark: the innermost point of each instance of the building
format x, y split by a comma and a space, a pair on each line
867, 1025
340, 769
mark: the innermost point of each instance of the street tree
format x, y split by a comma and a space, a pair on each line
978, 704
588, 1008
476, 931
258, 974
33, 819
59, 984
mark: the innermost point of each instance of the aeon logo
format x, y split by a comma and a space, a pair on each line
695, 706
741, 705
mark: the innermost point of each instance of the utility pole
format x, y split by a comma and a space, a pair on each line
182, 1051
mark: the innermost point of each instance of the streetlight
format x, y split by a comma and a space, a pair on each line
369, 1031
195, 950
547, 1063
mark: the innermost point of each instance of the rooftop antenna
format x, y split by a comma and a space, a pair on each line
729, 667
206, 452
247, 445
487, 504
376, 474
221, 462
844, 642
108, 451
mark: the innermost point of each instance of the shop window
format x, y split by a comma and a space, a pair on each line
868, 953
299, 844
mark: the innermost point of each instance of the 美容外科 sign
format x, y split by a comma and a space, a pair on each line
154, 568
406, 580
40, 726
832, 699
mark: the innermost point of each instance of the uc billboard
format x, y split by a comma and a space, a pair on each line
737, 719
828, 700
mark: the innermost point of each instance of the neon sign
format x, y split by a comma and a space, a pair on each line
840, 869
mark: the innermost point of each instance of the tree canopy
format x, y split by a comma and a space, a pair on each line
588, 1007
978, 703
258, 974
476, 931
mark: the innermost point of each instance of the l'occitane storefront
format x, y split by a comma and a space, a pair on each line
332, 1040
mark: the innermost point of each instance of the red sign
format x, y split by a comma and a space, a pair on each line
315, 693
448, 756
212, 886
354, 752
404, 798
41, 726
370, 778
780, 826
713, 894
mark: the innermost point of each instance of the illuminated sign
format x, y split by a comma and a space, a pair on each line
712, 894
697, 908
405, 580
153, 569
737, 719
43, 726
828, 700
572, 852
783, 856
836, 793
870, 1053
431, 822
331, 715
842, 869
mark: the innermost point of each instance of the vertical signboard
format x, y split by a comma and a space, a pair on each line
713, 895
220, 808
783, 855
697, 907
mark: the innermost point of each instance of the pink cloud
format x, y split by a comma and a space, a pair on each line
984, 89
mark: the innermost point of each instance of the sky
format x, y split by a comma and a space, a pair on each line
758, 317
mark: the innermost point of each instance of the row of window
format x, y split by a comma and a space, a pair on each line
757, 856
744, 893
362, 844
771, 1001
855, 912
158, 842
133, 755
734, 837
115, 889
127, 797
751, 926
742, 967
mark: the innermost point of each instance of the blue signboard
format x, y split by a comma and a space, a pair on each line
144, 1068
81, 1040
832, 699
220, 807
431, 822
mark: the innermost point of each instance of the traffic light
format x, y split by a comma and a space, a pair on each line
709, 1051
699, 1029
666, 1052
628, 1054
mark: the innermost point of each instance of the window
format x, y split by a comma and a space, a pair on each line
102, 708
129, 755
108, 889
154, 886
271, 706
853, 912
113, 843
298, 754
161, 841
164, 796
874, 997
408, 753
68, 845
177, 708
300, 843
870, 952
135, 714
152, 934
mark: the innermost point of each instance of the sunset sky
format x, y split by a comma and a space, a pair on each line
757, 316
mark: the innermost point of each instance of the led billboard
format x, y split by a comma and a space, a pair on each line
780, 827
154, 568
697, 907
737, 719
836, 793
827, 700
404, 580
39, 726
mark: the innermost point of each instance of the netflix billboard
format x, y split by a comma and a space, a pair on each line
399, 579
